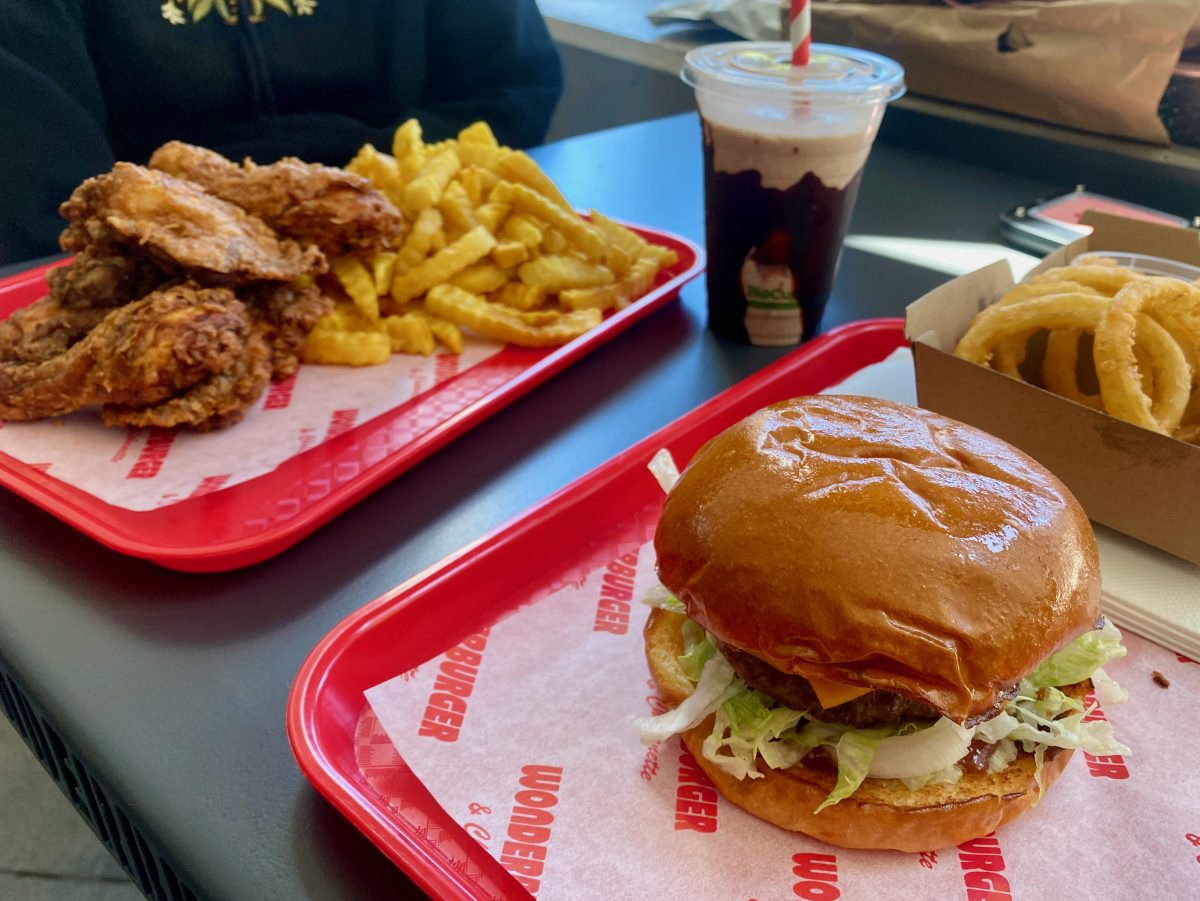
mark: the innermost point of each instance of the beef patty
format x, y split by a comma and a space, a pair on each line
875, 708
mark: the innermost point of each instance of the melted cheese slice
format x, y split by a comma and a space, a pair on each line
830, 694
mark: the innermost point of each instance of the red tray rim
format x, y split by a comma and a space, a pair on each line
110, 525
317, 674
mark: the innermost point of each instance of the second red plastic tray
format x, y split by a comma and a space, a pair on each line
334, 735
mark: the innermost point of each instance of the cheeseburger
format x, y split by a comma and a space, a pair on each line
878, 626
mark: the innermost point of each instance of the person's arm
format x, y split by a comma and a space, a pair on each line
53, 122
493, 61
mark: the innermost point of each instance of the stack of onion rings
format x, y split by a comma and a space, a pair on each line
1145, 342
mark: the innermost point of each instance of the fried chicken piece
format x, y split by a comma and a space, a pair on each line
96, 280
215, 402
139, 355
182, 226
45, 329
337, 210
285, 314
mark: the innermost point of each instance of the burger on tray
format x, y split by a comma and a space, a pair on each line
878, 625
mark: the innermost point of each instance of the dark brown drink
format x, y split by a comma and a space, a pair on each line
775, 229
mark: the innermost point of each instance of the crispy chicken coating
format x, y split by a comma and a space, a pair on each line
332, 208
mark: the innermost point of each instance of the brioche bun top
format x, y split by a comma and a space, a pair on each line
880, 545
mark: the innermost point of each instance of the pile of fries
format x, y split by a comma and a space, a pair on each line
491, 246
1114, 339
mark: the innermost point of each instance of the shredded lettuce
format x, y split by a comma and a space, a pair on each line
699, 650
855, 749
659, 597
745, 728
1047, 717
1107, 688
1078, 660
748, 725
950, 775
717, 682
1004, 754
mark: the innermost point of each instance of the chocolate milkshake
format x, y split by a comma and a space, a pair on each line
783, 153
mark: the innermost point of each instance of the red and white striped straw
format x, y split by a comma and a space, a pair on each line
800, 31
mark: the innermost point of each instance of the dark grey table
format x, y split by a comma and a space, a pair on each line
157, 698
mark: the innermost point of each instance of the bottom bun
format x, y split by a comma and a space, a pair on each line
881, 813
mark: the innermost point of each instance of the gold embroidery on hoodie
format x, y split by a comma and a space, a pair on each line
185, 12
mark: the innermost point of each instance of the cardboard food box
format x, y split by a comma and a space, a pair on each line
1130, 479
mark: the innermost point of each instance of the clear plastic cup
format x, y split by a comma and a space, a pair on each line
784, 150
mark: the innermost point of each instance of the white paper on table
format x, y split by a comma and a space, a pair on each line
554, 693
144, 469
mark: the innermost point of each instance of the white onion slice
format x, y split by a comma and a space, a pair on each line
927, 751
662, 467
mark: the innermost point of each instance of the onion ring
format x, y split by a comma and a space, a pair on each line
1059, 368
1106, 279
1010, 353
1056, 311
1117, 366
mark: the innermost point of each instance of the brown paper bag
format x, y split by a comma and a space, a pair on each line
1096, 65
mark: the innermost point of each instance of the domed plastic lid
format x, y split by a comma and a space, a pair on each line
835, 75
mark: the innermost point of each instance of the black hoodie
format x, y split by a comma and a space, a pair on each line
86, 82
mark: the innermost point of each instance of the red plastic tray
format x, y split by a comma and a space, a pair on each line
254, 520
334, 735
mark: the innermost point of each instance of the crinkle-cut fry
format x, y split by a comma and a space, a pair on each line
1060, 365
488, 179
444, 330
618, 295
492, 215
573, 228
479, 133
523, 228
329, 346
1121, 326
553, 273
456, 208
383, 267
508, 254
381, 170
618, 260
419, 241
427, 186
358, 283
408, 148
518, 296
409, 334
454, 258
472, 184
481, 155
482, 278
630, 241
344, 317
553, 242
503, 324
520, 167
1106, 279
